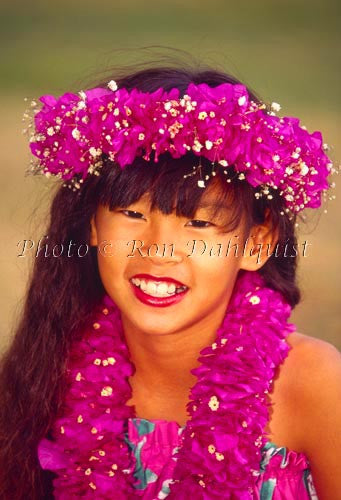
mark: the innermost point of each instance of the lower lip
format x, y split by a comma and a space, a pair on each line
158, 301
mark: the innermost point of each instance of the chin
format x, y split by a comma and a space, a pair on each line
152, 326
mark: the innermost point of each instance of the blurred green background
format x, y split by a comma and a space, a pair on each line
288, 52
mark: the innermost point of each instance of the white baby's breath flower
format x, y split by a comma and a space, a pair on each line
242, 100
275, 107
304, 168
112, 85
289, 197
95, 152
76, 134
81, 105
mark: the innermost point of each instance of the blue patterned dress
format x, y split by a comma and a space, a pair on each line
284, 474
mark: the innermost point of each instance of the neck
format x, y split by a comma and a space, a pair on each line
164, 362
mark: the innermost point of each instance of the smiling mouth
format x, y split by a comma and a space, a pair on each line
158, 289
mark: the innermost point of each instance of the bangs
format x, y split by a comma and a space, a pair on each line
170, 192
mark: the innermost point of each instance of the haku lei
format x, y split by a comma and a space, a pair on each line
221, 444
70, 134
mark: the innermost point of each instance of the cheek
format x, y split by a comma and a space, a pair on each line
216, 274
112, 261
216, 260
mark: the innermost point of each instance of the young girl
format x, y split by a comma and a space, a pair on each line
154, 357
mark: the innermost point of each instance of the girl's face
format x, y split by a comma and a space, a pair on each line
134, 240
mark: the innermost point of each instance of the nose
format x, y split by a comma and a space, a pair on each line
162, 245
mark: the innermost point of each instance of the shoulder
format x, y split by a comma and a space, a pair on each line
309, 360
313, 359
313, 375
313, 371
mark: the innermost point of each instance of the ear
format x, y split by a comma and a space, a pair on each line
93, 232
259, 244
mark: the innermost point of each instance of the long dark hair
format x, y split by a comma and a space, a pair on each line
63, 291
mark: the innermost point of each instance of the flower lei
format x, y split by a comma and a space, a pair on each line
70, 135
220, 452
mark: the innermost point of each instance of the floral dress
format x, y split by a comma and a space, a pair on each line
283, 474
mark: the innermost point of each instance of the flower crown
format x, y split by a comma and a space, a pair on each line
222, 124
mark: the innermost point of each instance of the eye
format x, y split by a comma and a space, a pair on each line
135, 215
201, 223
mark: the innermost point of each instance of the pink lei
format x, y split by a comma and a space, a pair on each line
221, 445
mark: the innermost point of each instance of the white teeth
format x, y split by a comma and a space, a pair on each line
151, 287
162, 288
157, 289
171, 288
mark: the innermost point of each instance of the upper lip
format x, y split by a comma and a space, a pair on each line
158, 278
